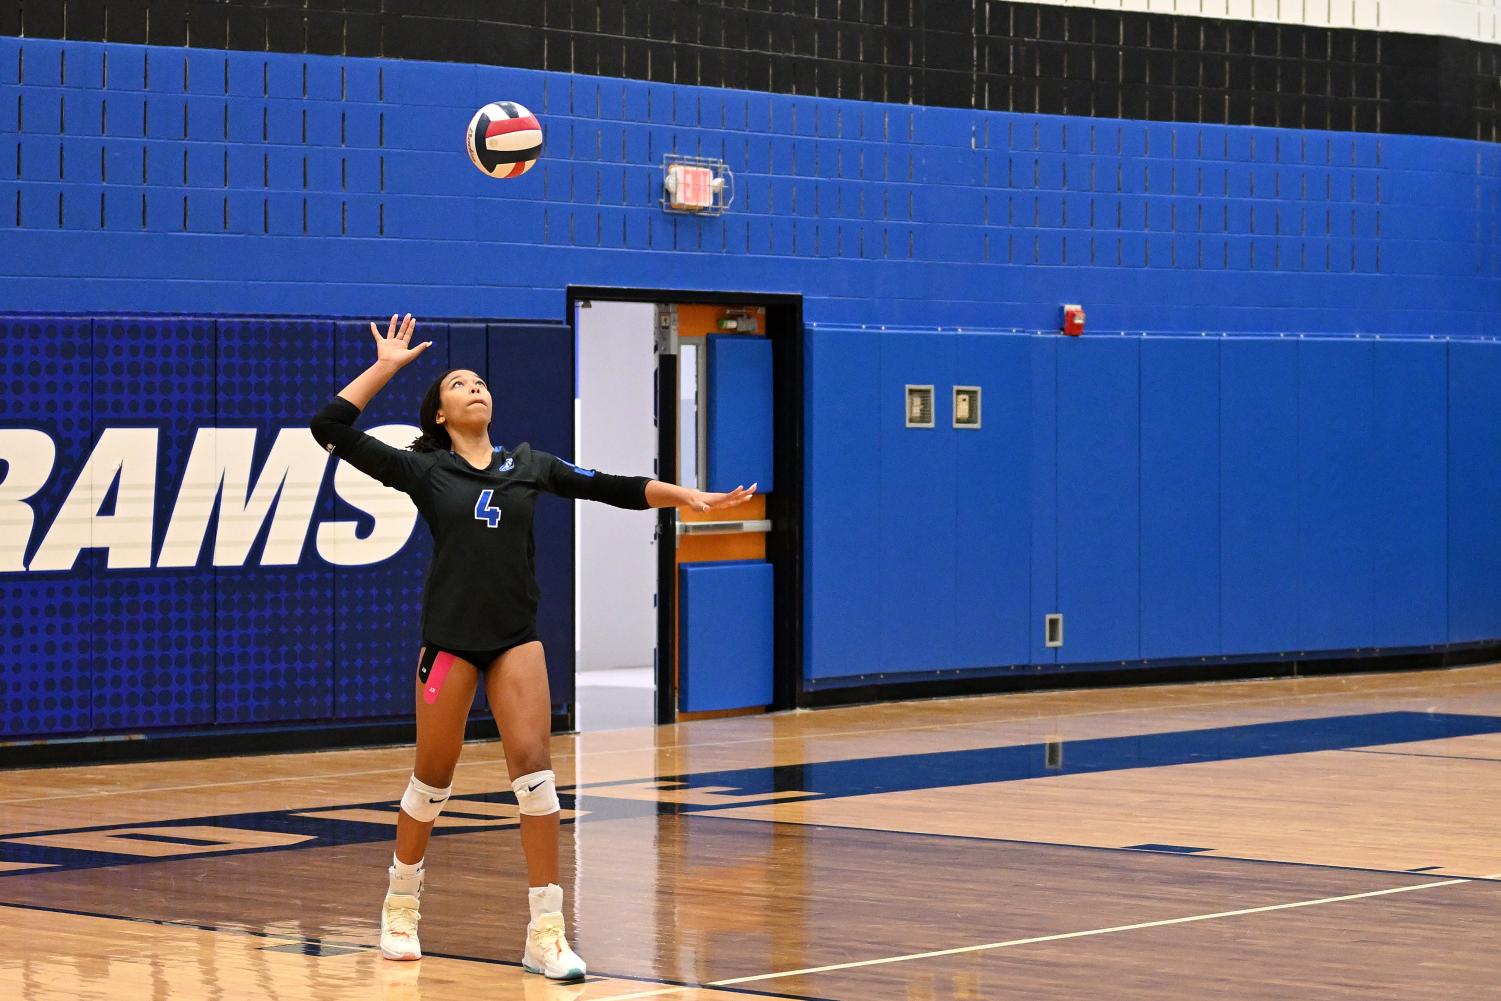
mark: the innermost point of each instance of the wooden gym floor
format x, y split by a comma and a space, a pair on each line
1304, 839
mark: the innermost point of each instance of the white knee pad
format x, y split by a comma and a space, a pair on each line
536, 794
423, 802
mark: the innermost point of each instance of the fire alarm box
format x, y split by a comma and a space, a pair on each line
1073, 320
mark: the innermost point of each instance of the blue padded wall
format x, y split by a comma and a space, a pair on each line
1336, 500
1258, 495
725, 629
1099, 498
993, 488
740, 415
916, 482
156, 639
275, 660
1180, 497
1043, 468
1474, 492
1409, 477
47, 637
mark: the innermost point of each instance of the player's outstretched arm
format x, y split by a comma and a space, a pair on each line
333, 425
659, 494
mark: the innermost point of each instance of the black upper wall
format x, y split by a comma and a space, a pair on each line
956, 53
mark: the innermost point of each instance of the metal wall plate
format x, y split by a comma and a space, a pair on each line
1053, 629
966, 406
920, 407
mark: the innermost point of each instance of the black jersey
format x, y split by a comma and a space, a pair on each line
481, 591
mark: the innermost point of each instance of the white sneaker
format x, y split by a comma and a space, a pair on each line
548, 952
398, 927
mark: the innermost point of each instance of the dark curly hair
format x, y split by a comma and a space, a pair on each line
434, 437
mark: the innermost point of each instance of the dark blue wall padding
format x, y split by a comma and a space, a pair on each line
992, 562
1336, 495
46, 645
157, 639
531, 380
275, 655
917, 483
1099, 557
377, 607
1043, 468
1409, 477
841, 516
1259, 495
1180, 497
1474, 492
725, 658
739, 413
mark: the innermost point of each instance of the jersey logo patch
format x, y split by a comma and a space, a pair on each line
507, 466
484, 512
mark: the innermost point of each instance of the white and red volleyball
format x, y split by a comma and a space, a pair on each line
503, 139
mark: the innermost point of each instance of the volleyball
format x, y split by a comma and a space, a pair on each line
504, 139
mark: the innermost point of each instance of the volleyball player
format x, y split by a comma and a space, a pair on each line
479, 618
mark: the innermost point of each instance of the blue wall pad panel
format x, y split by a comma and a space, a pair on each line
1099, 498
46, 642
275, 655
1258, 495
993, 527
1180, 497
1409, 475
1337, 500
377, 592
841, 518
917, 484
155, 643
739, 413
1474, 492
1043, 467
725, 658
531, 380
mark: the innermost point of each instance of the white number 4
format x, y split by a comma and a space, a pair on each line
484, 512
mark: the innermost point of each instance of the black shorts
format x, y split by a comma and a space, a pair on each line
481, 659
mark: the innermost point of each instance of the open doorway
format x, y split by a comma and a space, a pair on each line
615, 572
704, 390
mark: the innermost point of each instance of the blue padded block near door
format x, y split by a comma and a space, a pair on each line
1043, 468
739, 413
1180, 497
841, 469
1408, 476
725, 634
1258, 495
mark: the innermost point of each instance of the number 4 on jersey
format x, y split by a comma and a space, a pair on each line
484, 512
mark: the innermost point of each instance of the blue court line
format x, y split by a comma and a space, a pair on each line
196, 842
820, 780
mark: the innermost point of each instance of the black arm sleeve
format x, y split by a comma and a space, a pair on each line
334, 429
567, 480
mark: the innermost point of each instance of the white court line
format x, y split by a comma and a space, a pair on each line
1094, 931
1259, 700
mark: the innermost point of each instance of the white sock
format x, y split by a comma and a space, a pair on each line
406, 878
545, 899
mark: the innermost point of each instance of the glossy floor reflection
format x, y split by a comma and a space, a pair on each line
1325, 838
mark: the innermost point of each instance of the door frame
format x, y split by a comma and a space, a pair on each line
784, 505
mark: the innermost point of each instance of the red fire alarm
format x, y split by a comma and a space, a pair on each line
1073, 320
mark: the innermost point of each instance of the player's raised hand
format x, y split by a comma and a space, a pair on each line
396, 346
